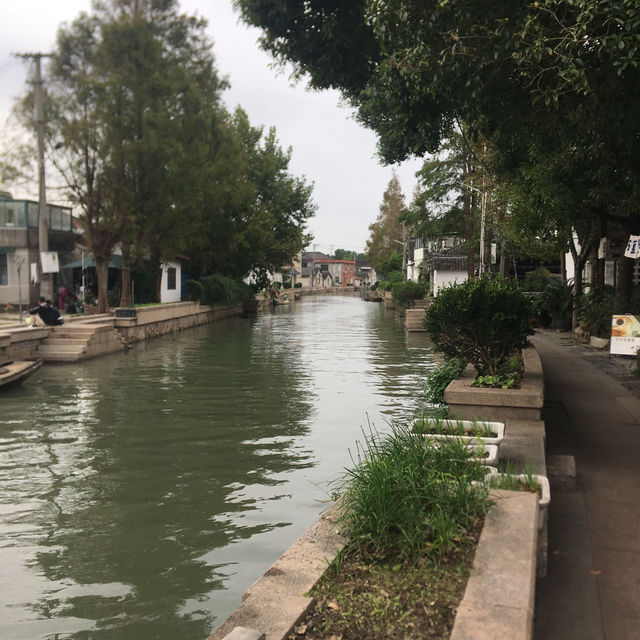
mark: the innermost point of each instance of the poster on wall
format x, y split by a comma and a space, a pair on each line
49, 261
625, 335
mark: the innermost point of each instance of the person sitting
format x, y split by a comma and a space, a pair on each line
47, 313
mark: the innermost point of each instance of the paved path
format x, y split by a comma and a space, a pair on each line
592, 412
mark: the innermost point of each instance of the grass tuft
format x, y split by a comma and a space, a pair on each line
407, 496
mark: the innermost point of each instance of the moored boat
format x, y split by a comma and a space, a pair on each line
15, 371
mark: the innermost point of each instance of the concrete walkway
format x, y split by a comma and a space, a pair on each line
592, 413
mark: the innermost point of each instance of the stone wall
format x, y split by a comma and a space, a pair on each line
151, 322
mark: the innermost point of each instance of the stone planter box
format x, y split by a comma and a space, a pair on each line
468, 402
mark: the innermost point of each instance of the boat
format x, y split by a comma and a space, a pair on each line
13, 372
284, 299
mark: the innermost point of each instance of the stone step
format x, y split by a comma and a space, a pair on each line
414, 319
64, 342
47, 350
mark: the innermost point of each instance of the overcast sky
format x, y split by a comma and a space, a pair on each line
329, 148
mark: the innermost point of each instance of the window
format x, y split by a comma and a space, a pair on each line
171, 278
11, 217
4, 270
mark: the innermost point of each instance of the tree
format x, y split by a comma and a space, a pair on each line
386, 232
253, 213
133, 85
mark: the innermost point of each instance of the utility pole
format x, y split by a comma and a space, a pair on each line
46, 279
404, 251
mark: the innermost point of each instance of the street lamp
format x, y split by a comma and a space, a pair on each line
483, 213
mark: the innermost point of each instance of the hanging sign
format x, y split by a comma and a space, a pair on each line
625, 335
633, 247
49, 261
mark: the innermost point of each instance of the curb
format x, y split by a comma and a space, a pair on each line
498, 601
274, 603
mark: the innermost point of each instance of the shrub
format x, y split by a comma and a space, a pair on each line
537, 279
595, 311
440, 378
219, 289
482, 321
297, 285
557, 301
286, 285
194, 289
408, 495
405, 293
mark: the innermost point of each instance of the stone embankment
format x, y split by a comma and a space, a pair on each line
95, 335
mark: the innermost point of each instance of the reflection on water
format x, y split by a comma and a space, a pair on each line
142, 493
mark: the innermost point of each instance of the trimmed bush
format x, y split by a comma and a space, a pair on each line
219, 289
194, 290
297, 285
482, 321
404, 293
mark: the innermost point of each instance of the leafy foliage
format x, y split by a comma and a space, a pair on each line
194, 289
557, 301
482, 321
440, 378
595, 311
220, 289
404, 293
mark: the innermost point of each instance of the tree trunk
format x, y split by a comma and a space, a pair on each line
624, 276
102, 270
624, 284
125, 275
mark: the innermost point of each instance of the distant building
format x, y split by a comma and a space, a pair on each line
19, 249
446, 267
320, 270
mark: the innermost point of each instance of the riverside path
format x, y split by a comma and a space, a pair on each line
592, 416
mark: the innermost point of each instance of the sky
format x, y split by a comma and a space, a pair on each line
329, 148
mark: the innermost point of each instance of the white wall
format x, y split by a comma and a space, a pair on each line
166, 294
10, 292
444, 278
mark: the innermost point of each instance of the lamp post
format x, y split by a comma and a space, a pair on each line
403, 244
483, 213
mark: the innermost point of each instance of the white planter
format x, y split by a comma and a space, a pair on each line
490, 449
545, 492
496, 427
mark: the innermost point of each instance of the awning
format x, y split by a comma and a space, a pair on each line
89, 261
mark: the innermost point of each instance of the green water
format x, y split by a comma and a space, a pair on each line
142, 493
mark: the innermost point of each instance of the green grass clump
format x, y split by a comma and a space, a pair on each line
511, 479
408, 496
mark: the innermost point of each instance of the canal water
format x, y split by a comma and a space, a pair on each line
142, 493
